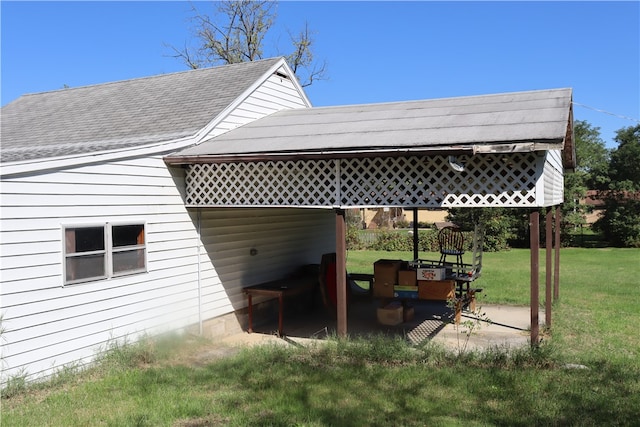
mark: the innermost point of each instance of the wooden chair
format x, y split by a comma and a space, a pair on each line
465, 292
451, 241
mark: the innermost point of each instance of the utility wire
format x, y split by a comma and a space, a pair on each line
606, 112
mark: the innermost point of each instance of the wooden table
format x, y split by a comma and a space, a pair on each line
280, 289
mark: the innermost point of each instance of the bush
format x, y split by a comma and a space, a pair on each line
353, 239
393, 241
620, 223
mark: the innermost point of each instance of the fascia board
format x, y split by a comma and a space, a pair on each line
14, 169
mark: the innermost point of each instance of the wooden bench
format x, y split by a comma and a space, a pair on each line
282, 289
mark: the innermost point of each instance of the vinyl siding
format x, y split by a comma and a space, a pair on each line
553, 178
284, 239
49, 325
273, 95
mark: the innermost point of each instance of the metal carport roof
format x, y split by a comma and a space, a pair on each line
508, 122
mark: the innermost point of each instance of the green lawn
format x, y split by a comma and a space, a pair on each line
377, 382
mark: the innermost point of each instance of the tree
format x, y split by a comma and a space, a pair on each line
620, 222
592, 159
624, 168
236, 32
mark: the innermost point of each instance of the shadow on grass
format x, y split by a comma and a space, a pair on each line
336, 387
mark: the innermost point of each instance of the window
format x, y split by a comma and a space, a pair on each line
102, 251
85, 254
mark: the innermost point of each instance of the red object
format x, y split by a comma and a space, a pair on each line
330, 279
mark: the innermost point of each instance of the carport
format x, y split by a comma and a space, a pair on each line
501, 150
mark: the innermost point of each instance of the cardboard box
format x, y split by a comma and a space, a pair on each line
408, 313
382, 290
432, 273
391, 314
385, 275
407, 278
440, 290
405, 292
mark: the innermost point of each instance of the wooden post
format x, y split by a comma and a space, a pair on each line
556, 264
416, 239
341, 268
548, 222
534, 243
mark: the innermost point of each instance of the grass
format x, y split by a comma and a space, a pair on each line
379, 382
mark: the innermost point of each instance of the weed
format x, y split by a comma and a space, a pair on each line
468, 326
121, 354
15, 385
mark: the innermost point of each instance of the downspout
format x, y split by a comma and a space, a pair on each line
198, 244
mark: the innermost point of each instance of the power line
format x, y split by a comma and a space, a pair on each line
607, 112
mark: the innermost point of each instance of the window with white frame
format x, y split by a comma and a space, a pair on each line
95, 252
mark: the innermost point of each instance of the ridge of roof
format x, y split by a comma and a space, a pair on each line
154, 76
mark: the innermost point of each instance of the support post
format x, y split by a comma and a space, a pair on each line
556, 264
548, 222
416, 238
341, 268
534, 243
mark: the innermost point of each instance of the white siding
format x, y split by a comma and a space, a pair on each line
276, 94
284, 239
48, 325
553, 178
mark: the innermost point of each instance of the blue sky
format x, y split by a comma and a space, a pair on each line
375, 51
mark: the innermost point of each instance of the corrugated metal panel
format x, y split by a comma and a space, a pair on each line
522, 117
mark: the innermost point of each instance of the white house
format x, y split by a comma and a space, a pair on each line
96, 241
147, 205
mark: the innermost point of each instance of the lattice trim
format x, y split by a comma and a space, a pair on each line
415, 181
279, 183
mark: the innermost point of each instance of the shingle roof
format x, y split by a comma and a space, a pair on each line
122, 114
450, 123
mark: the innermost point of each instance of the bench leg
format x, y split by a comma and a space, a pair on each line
458, 311
472, 301
280, 310
250, 330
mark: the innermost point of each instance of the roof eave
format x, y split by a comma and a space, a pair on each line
468, 149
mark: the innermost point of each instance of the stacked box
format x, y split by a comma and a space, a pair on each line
407, 278
431, 273
391, 314
385, 274
440, 290
408, 313
405, 292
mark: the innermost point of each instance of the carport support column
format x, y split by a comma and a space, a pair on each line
556, 264
534, 243
341, 268
548, 298
416, 238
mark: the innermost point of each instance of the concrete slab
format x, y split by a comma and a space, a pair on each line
498, 326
